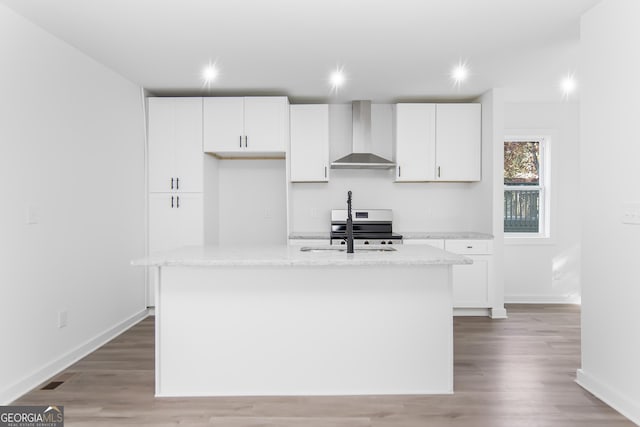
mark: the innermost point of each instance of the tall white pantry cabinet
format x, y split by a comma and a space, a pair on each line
175, 175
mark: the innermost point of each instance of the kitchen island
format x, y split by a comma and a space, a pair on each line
234, 321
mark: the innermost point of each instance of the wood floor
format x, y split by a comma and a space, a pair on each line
511, 373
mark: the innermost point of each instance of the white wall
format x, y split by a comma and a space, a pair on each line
252, 205
610, 176
549, 270
416, 206
71, 147
488, 202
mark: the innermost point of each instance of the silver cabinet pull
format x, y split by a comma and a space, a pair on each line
171, 202
240, 137
399, 171
177, 183
325, 171
438, 171
177, 201
246, 141
172, 183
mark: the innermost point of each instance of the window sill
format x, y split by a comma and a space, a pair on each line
519, 240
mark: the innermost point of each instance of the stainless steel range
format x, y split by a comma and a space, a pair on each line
370, 227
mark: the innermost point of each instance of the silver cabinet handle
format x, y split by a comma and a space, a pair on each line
172, 183
240, 137
246, 141
171, 202
325, 171
177, 183
399, 171
177, 201
438, 171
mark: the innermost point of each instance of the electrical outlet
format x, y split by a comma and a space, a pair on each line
62, 319
33, 215
631, 213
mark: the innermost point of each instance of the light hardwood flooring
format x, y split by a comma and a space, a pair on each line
514, 372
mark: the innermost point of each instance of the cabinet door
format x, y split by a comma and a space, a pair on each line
265, 123
471, 283
161, 134
223, 124
459, 141
162, 214
175, 220
188, 145
189, 223
309, 135
415, 142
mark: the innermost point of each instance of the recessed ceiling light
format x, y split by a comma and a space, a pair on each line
568, 85
209, 73
460, 73
337, 78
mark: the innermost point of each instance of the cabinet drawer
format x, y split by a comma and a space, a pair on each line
471, 247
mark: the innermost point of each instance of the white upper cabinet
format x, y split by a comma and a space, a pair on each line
415, 142
175, 144
438, 142
223, 124
309, 126
459, 141
246, 126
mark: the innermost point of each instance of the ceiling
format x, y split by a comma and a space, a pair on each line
390, 50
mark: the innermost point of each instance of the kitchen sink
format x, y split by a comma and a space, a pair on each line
344, 249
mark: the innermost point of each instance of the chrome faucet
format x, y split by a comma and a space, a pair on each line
349, 225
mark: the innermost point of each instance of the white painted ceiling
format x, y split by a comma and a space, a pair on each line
390, 50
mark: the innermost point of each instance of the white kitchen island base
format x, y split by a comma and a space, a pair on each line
304, 330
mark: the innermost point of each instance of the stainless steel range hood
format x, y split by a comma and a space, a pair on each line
361, 156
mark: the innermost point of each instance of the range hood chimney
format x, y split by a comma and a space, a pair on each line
361, 156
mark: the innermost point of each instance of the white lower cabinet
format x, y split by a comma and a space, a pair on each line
175, 220
472, 284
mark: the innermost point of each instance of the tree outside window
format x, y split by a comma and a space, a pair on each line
524, 186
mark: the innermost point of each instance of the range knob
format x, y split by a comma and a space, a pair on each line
390, 242
383, 242
366, 242
342, 242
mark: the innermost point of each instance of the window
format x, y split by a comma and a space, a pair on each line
525, 187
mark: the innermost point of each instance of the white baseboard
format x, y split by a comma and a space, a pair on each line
499, 313
540, 299
457, 311
14, 391
494, 313
602, 391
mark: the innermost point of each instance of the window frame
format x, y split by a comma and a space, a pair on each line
544, 215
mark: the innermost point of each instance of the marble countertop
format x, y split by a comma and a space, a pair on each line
311, 235
283, 255
447, 235
407, 235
